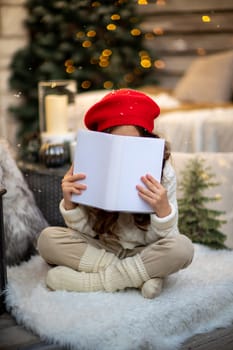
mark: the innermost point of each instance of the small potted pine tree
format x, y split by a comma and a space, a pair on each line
200, 223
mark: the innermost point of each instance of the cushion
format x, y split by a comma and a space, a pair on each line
221, 165
208, 79
23, 220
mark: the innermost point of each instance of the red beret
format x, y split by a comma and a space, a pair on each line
122, 107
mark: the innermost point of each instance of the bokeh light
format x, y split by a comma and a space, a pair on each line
206, 18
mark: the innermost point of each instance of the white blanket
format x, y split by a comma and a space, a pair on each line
198, 130
202, 130
194, 300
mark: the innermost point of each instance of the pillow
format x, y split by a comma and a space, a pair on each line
23, 220
208, 79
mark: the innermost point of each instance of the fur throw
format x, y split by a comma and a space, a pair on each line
23, 220
195, 300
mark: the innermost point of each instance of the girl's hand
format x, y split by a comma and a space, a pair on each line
155, 195
70, 185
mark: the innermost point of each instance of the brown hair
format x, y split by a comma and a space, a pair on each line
105, 221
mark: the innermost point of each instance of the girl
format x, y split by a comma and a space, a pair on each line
110, 251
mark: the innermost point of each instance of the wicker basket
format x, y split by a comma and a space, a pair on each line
45, 183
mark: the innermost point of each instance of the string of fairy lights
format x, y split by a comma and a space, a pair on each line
104, 59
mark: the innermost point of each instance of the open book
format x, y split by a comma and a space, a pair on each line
113, 166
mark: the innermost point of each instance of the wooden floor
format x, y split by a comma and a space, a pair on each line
15, 337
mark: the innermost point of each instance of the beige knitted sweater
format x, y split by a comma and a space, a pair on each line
127, 233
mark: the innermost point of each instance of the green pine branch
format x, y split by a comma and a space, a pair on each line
200, 223
77, 32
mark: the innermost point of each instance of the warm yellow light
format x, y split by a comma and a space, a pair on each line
160, 2
69, 63
149, 36
108, 84
158, 31
159, 64
69, 66
128, 78
86, 84
142, 2
104, 64
106, 52
91, 33
96, 4
103, 59
135, 32
115, 17
206, 18
80, 35
145, 63
70, 69
86, 43
201, 51
111, 26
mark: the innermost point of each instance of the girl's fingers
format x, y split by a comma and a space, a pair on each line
69, 187
78, 190
150, 182
149, 186
145, 191
72, 178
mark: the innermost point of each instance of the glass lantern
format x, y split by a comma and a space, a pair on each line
57, 110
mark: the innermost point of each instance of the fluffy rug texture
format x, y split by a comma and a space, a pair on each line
23, 221
193, 301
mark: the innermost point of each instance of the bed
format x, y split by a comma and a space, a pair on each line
197, 116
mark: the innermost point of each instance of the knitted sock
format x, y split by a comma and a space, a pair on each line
94, 259
152, 288
129, 272
65, 278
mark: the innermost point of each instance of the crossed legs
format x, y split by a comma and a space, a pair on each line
86, 264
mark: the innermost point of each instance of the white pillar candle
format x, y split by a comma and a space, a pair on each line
56, 113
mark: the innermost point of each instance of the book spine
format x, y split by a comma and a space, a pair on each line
113, 185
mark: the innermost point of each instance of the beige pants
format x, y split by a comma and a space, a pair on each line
64, 246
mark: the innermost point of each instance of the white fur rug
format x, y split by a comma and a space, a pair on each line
194, 300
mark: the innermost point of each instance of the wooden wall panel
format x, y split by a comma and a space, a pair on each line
176, 33
189, 23
184, 45
181, 6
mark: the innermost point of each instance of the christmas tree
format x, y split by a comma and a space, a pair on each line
97, 43
196, 220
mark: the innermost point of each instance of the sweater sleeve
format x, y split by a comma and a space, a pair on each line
166, 226
77, 219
